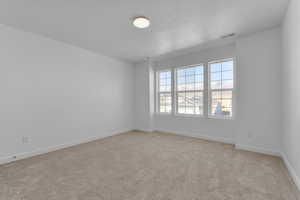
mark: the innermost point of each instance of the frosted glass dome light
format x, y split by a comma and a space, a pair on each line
141, 22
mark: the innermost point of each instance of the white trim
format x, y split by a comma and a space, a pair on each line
219, 117
173, 87
143, 130
189, 115
257, 150
175, 91
288, 165
163, 113
198, 135
24, 155
282, 155
206, 90
233, 90
291, 170
157, 92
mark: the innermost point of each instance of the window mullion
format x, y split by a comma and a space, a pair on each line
206, 105
173, 88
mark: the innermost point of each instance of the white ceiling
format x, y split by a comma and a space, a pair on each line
105, 26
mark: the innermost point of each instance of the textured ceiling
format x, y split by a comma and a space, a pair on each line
105, 26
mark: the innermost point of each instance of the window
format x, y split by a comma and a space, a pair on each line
221, 88
189, 90
198, 90
164, 91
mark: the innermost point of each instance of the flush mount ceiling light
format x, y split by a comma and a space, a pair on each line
141, 22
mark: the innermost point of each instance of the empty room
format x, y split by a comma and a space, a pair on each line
149, 100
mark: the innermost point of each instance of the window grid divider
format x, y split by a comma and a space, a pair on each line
206, 91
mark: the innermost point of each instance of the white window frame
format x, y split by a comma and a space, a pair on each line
206, 91
157, 92
209, 91
175, 91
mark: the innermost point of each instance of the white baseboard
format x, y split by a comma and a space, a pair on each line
24, 155
288, 165
257, 150
198, 135
144, 130
291, 170
20, 156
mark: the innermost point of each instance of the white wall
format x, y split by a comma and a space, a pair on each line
258, 65
256, 124
142, 120
57, 94
291, 89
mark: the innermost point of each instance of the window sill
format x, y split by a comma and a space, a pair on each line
220, 117
163, 114
194, 116
189, 115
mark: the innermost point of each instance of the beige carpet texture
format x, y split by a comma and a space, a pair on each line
148, 166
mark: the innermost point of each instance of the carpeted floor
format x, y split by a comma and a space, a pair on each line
147, 166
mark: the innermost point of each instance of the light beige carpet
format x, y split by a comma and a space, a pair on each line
147, 166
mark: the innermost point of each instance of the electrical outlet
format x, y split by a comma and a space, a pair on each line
25, 140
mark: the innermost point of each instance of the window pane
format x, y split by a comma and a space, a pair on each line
190, 83
215, 67
165, 88
216, 95
164, 91
221, 81
215, 76
165, 74
199, 78
199, 70
215, 102
227, 111
189, 71
181, 109
226, 103
221, 101
165, 81
215, 85
227, 84
181, 87
227, 66
227, 75
190, 102
189, 110
221, 108
199, 86
227, 94
191, 78
165, 102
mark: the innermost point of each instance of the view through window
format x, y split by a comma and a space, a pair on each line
203, 89
189, 90
165, 91
221, 88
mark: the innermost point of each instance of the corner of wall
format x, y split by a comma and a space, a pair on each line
291, 170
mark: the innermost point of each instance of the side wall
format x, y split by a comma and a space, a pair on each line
291, 89
256, 124
54, 95
259, 81
142, 106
